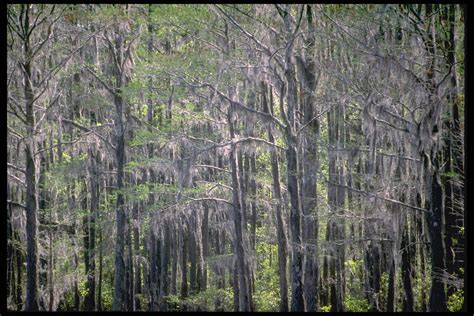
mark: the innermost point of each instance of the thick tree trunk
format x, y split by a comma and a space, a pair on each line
31, 199
391, 293
164, 277
237, 216
71, 205
199, 255
220, 271
244, 303
192, 258
152, 278
174, 259
205, 243
184, 270
372, 251
455, 217
119, 290
89, 238
253, 204
10, 242
297, 301
101, 269
422, 249
435, 221
18, 288
120, 272
336, 199
310, 167
136, 250
434, 203
234, 282
129, 284
406, 273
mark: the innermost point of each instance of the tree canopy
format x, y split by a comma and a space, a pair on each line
235, 157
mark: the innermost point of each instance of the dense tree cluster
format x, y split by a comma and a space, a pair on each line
251, 157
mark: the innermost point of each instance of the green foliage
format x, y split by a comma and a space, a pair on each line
421, 287
450, 174
266, 296
204, 300
353, 265
67, 303
107, 297
263, 159
383, 289
83, 290
456, 301
356, 304
144, 301
326, 308
173, 302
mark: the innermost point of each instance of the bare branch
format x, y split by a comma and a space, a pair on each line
264, 47
16, 204
379, 197
81, 127
17, 179
106, 86
212, 167
22, 170
217, 200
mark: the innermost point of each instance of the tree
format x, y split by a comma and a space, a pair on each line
209, 157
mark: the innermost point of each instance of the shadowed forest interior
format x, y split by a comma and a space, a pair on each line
235, 157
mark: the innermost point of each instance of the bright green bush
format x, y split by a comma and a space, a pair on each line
355, 304
456, 301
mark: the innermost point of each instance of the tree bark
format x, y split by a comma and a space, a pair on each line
31, 202
136, 250
164, 276
237, 216
281, 225
310, 166
391, 294
90, 232
120, 272
184, 278
205, 243
406, 272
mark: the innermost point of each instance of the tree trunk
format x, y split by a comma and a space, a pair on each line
101, 265
406, 272
372, 251
237, 216
310, 167
10, 242
18, 288
336, 200
136, 250
455, 216
391, 295
31, 205
164, 278
436, 230
119, 275
192, 259
280, 221
235, 286
205, 243
434, 203
89, 238
129, 293
174, 259
184, 278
